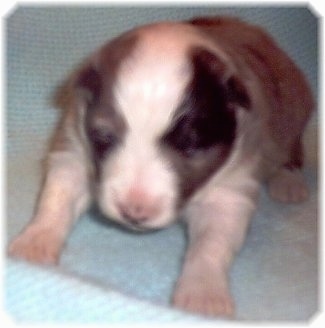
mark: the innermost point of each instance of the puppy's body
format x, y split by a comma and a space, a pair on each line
176, 117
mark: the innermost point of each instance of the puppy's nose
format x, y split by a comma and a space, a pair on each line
138, 206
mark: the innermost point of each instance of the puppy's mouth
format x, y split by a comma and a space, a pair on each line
138, 227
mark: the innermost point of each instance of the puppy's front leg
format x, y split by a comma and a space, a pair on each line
217, 228
63, 198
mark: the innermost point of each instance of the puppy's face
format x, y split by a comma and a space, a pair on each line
160, 120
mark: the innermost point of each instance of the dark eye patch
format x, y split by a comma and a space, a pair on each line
206, 117
105, 131
190, 135
203, 131
102, 141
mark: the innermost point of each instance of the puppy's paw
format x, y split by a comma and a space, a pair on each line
288, 186
36, 245
203, 297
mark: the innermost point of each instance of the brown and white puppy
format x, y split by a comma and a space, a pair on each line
176, 118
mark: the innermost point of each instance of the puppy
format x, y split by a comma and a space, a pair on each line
170, 119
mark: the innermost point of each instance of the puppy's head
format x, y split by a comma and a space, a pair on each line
159, 119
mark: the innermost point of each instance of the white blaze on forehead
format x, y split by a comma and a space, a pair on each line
151, 83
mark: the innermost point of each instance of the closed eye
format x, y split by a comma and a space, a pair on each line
102, 141
184, 138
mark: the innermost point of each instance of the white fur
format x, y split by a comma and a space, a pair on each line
218, 217
148, 91
64, 197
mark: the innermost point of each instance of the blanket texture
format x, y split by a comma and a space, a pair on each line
107, 274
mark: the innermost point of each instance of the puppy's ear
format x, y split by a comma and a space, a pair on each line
88, 85
214, 71
82, 87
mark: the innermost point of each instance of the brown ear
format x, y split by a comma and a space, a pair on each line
208, 64
83, 85
88, 85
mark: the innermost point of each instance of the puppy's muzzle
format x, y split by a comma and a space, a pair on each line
139, 210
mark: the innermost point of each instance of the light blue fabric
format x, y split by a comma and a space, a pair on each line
107, 274
45, 295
